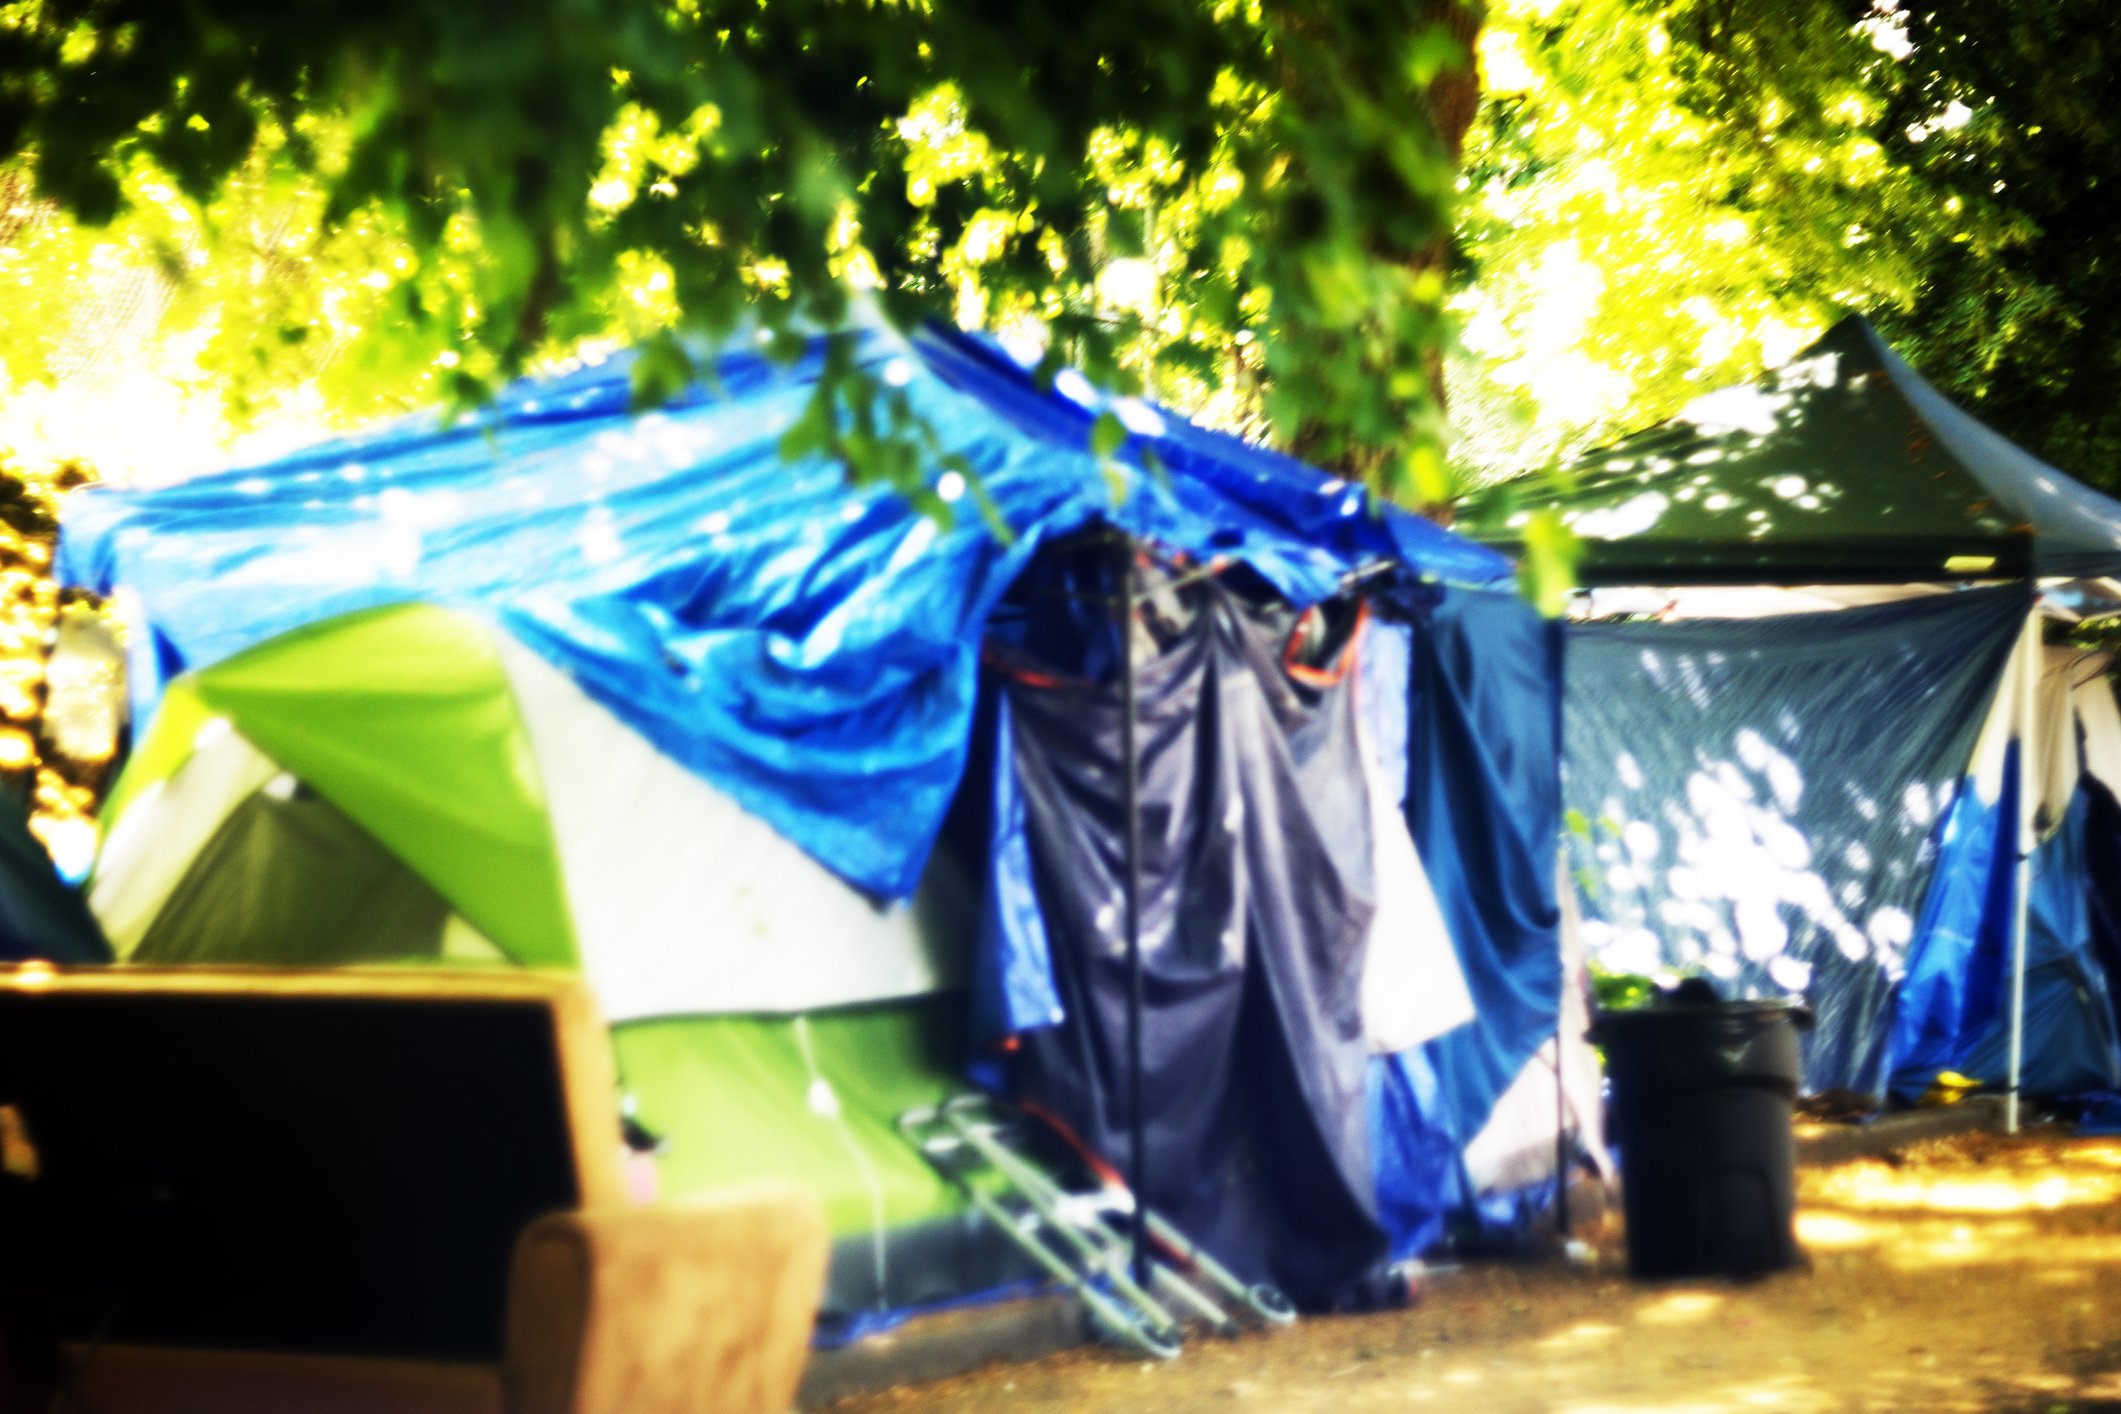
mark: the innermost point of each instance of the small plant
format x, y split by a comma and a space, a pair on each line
1619, 991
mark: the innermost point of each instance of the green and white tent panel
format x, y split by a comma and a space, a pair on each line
410, 784
488, 807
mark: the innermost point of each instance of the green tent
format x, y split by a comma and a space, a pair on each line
1842, 466
411, 785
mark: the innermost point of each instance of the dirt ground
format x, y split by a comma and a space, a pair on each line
1975, 1273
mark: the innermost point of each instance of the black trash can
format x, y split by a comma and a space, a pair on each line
1702, 1098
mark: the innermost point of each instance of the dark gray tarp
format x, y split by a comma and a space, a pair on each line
1255, 907
1842, 466
40, 916
1758, 799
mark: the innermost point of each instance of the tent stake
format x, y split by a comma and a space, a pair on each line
1130, 796
2022, 880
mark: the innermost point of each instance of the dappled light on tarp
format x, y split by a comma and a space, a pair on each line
1741, 463
1843, 464
1755, 801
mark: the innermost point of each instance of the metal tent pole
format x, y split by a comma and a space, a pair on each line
1130, 807
1561, 1121
2022, 882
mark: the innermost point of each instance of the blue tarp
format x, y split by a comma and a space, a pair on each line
808, 647
1954, 1001
1758, 799
1484, 802
1013, 987
1956, 963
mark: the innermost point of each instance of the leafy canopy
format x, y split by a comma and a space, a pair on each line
429, 195
1665, 197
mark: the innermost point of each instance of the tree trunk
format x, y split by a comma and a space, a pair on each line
1449, 103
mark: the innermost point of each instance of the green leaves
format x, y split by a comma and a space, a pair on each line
1667, 198
1107, 435
1547, 570
662, 371
1434, 51
430, 196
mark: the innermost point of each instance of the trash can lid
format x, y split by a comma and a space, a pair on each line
1761, 1012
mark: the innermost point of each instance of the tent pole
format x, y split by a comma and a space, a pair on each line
2022, 881
1561, 1115
1131, 887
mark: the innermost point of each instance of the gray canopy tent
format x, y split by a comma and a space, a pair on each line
1843, 466
1844, 472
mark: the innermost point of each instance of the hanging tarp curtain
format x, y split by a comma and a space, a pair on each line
1483, 797
2069, 1041
1485, 803
1255, 911
1759, 800
2102, 875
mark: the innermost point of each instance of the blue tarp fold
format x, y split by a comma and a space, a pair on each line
1955, 1000
808, 647
1956, 964
1484, 802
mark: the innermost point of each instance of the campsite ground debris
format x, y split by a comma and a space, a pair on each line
1971, 1273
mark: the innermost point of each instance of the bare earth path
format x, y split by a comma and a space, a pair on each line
1976, 1273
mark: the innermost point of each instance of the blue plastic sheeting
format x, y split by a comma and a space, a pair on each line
808, 647
2098, 1115
1756, 799
2102, 876
2069, 1030
1956, 964
1383, 694
1484, 803
1012, 966
1418, 1151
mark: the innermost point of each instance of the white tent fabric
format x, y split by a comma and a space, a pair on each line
1413, 988
2099, 717
2048, 697
653, 856
2022, 712
2059, 762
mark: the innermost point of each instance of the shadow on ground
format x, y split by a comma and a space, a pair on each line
1973, 1273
